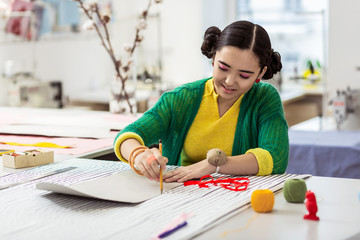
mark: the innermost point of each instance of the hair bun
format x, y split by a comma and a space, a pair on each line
274, 65
211, 37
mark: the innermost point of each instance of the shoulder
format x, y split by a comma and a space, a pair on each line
263, 92
265, 87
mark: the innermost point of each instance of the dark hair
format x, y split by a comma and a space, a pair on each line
244, 35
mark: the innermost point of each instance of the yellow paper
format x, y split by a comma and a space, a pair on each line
39, 144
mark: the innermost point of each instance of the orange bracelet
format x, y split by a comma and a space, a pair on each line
136, 151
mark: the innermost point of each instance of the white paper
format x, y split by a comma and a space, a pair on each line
120, 187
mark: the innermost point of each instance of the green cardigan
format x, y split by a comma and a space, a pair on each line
261, 122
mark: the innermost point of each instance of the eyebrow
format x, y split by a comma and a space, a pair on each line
227, 65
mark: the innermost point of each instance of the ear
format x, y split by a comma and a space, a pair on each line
262, 72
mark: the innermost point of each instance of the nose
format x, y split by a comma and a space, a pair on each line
230, 80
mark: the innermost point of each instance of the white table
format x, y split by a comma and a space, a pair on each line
337, 199
339, 212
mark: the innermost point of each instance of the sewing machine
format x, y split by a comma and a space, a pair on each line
27, 91
346, 109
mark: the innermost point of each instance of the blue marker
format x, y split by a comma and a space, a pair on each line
171, 231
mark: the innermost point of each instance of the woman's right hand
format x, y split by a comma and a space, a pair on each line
148, 163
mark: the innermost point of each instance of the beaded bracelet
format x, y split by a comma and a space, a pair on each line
136, 151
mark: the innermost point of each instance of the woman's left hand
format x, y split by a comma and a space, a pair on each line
196, 170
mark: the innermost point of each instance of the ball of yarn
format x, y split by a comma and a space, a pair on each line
295, 190
216, 157
262, 200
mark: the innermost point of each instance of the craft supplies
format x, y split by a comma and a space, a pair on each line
161, 172
6, 151
29, 158
233, 184
311, 206
169, 232
262, 200
295, 190
216, 157
226, 233
176, 224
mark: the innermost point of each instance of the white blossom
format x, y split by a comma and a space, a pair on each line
127, 48
88, 25
142, 24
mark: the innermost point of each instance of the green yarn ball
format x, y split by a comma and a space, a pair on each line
295, 190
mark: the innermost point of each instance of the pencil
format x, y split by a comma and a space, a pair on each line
161, 173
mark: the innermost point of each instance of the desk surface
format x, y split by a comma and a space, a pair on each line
337, 199
66, 121
339, 212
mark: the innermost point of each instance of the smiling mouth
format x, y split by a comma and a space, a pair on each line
228, 90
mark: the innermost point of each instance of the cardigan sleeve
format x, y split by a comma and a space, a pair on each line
273, 129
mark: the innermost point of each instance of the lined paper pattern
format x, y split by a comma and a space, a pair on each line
35, 214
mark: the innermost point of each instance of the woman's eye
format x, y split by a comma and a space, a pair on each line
223, 68
244, 76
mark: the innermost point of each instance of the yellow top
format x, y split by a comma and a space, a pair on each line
211, 131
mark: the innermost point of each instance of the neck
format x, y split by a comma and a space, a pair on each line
224, 105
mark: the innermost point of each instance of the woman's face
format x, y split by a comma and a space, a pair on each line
235, 71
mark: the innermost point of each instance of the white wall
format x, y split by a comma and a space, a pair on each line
83, 64
344, 50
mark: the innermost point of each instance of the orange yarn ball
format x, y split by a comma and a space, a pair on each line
262, 200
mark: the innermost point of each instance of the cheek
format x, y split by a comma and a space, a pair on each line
217, 73
246, 85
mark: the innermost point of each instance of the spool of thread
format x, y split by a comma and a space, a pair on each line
295, 190
262, 200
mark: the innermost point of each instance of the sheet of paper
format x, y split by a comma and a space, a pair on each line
126, 186
38, 214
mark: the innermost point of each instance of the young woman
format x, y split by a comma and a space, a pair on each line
232, 111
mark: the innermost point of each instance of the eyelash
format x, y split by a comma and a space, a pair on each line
245, 77
225, 69
222, 68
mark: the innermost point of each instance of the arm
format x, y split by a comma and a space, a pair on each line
146, 131
150, 171
245, 164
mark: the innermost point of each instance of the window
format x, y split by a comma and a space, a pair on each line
297, 29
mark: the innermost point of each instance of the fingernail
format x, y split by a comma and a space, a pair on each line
156, 179
150, 179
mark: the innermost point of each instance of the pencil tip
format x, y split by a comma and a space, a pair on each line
160, 141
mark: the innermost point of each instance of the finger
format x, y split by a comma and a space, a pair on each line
170, 174
162, 162
185, 178
160, 159
150, 169
174, 176
142, 169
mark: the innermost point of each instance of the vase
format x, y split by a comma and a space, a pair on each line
118, 102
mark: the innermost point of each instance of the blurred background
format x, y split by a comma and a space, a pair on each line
48, 60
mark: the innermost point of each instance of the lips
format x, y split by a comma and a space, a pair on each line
227, 89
